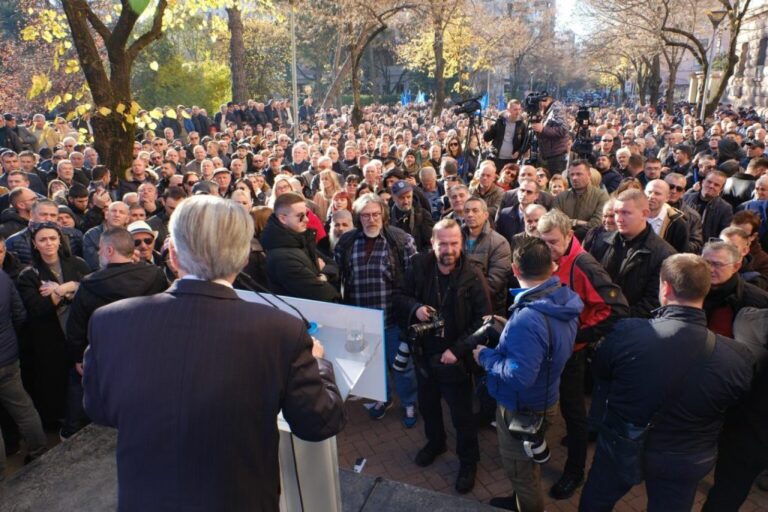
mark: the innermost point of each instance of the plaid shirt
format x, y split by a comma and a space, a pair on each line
371, 281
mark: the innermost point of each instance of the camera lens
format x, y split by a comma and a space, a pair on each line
537, 449
400, 364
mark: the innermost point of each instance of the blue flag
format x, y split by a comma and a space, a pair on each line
502, 102
484, 101
421, 98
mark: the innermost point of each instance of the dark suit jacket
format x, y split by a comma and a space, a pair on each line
193, 379
509, 223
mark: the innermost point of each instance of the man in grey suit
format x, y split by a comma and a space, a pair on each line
193, 378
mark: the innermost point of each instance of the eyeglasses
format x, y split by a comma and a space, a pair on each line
677, 188
370, 216
541, 175
607, 140
453, 144
143, 241
718, 264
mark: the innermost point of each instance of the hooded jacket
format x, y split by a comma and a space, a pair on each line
292, 263
117, 281
517, 368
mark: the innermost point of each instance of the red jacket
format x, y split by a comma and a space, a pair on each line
603, 301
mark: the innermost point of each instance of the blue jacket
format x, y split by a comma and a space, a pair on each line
516, 369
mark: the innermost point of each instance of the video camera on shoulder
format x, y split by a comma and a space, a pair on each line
532, 107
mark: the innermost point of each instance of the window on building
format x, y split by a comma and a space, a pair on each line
743, 58
761, 57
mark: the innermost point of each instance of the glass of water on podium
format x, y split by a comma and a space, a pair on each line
355, 342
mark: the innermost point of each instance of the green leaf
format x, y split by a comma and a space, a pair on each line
138, 6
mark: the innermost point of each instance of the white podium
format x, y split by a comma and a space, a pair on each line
309, 472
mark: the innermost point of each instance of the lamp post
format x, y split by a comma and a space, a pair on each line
531, 88
715, 17
294, 83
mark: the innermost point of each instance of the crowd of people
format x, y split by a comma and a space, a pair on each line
612, 265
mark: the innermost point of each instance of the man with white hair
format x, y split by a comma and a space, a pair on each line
201, 321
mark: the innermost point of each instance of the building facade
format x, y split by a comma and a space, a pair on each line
749, 85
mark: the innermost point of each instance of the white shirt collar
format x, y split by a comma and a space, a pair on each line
217, 281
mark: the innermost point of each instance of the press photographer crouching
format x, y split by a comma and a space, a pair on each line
444, 300
523, 371
552, 134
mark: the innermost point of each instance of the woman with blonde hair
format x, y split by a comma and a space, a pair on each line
329, 185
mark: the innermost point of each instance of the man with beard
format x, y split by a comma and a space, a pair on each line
410, 217
443, 284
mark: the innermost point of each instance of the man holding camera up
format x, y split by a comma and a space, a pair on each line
552, 133
523, 371
444, 300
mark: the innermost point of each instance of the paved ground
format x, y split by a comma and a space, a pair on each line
389, 449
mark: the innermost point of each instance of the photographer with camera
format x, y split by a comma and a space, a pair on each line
443, 300
552, 133
523, 371
507, 135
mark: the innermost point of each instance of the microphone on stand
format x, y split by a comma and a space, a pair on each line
252, 286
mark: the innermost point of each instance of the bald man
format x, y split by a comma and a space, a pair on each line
666, 221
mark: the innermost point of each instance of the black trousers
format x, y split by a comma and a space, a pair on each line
741, 457
453, 384
574, 412
670, 481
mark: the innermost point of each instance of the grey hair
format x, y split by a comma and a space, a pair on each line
211, 236
731, 250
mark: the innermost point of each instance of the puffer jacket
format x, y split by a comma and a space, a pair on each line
517, 370
292, 267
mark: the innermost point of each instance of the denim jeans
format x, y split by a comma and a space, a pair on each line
19, 405
405, 382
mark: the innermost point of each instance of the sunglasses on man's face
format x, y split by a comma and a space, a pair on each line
143, 241
677, 188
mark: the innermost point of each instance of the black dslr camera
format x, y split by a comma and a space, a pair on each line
487, 334
434, 324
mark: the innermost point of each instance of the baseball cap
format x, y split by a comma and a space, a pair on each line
401, 187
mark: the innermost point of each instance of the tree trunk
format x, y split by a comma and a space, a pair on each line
333, 94
357, 109
437, 48
654, 81
669, 99
641, 90
237, 54
727, 73
622, 91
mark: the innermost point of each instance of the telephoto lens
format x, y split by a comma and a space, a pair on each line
401, 358
536, 448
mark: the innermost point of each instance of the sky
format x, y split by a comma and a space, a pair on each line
566, 9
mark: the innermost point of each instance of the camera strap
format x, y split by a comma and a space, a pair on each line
548, 362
